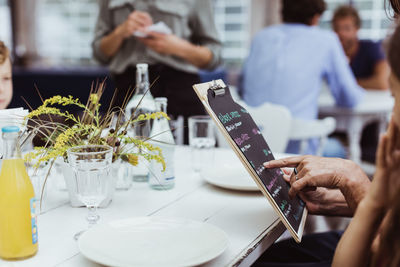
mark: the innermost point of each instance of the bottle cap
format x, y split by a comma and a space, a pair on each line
10, 129
161, 99
142, 66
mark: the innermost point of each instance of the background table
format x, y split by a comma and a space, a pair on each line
376, 106
248, 219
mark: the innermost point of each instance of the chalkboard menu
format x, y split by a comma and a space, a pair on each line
248, 142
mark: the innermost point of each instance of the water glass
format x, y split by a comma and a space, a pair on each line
91, 166
38, 177
201, 140
120, 172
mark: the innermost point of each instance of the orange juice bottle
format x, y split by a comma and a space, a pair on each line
18, 225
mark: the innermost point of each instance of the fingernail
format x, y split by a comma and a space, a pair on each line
266, 164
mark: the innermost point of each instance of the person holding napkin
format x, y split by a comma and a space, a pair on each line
176, 38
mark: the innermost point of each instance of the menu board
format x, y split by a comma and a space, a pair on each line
246, 139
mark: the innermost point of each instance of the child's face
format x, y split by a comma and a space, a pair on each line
5, 84
395, 88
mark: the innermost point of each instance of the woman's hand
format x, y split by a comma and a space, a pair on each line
386, 182
331, 173
136, 21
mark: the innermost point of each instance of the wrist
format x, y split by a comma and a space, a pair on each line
352, 176
333, 203
372, 206
183, 49
119, 33
354, 184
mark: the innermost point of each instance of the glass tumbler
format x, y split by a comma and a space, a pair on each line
201, 140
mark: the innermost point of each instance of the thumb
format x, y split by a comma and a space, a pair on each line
287, 171
286, 177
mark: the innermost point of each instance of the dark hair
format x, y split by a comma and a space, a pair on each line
395, 4
302, 11
394, 52
347, 11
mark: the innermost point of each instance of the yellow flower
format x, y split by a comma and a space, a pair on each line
151, 116
94, 99
49, 110
31, 156
133, 159
65, 137
62, 100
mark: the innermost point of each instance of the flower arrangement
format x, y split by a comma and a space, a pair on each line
93, 128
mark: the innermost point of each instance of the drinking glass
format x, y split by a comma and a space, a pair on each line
38, 176
120, 172
201, 140
91, 165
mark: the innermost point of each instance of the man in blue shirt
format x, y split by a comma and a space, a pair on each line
369, 66
367, 59
288, 63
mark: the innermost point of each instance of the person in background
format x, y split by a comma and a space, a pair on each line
287, 64
368, 63
366, 58
173, 58
6, 86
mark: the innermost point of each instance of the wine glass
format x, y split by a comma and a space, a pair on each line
91, 166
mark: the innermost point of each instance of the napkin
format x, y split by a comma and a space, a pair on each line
159, 27
12, 117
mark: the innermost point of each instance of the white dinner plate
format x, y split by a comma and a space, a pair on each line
227, 171
153, 241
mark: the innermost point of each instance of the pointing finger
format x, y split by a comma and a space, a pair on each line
286, 162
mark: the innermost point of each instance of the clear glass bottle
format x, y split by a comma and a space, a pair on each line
18, 224
163, 138
141, 102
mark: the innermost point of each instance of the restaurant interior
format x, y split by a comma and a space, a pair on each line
195, 132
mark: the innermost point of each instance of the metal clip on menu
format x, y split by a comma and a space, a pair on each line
217, 89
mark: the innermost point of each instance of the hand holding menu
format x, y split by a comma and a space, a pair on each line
246, 140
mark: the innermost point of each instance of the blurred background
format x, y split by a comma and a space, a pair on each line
58, 33
50, 41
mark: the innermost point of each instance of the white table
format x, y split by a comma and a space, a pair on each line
249, 221
376, 106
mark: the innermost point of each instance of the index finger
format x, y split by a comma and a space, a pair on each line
144, 17
286, 162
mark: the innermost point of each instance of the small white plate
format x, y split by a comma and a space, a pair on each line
230, 175
228, 172
153, 241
